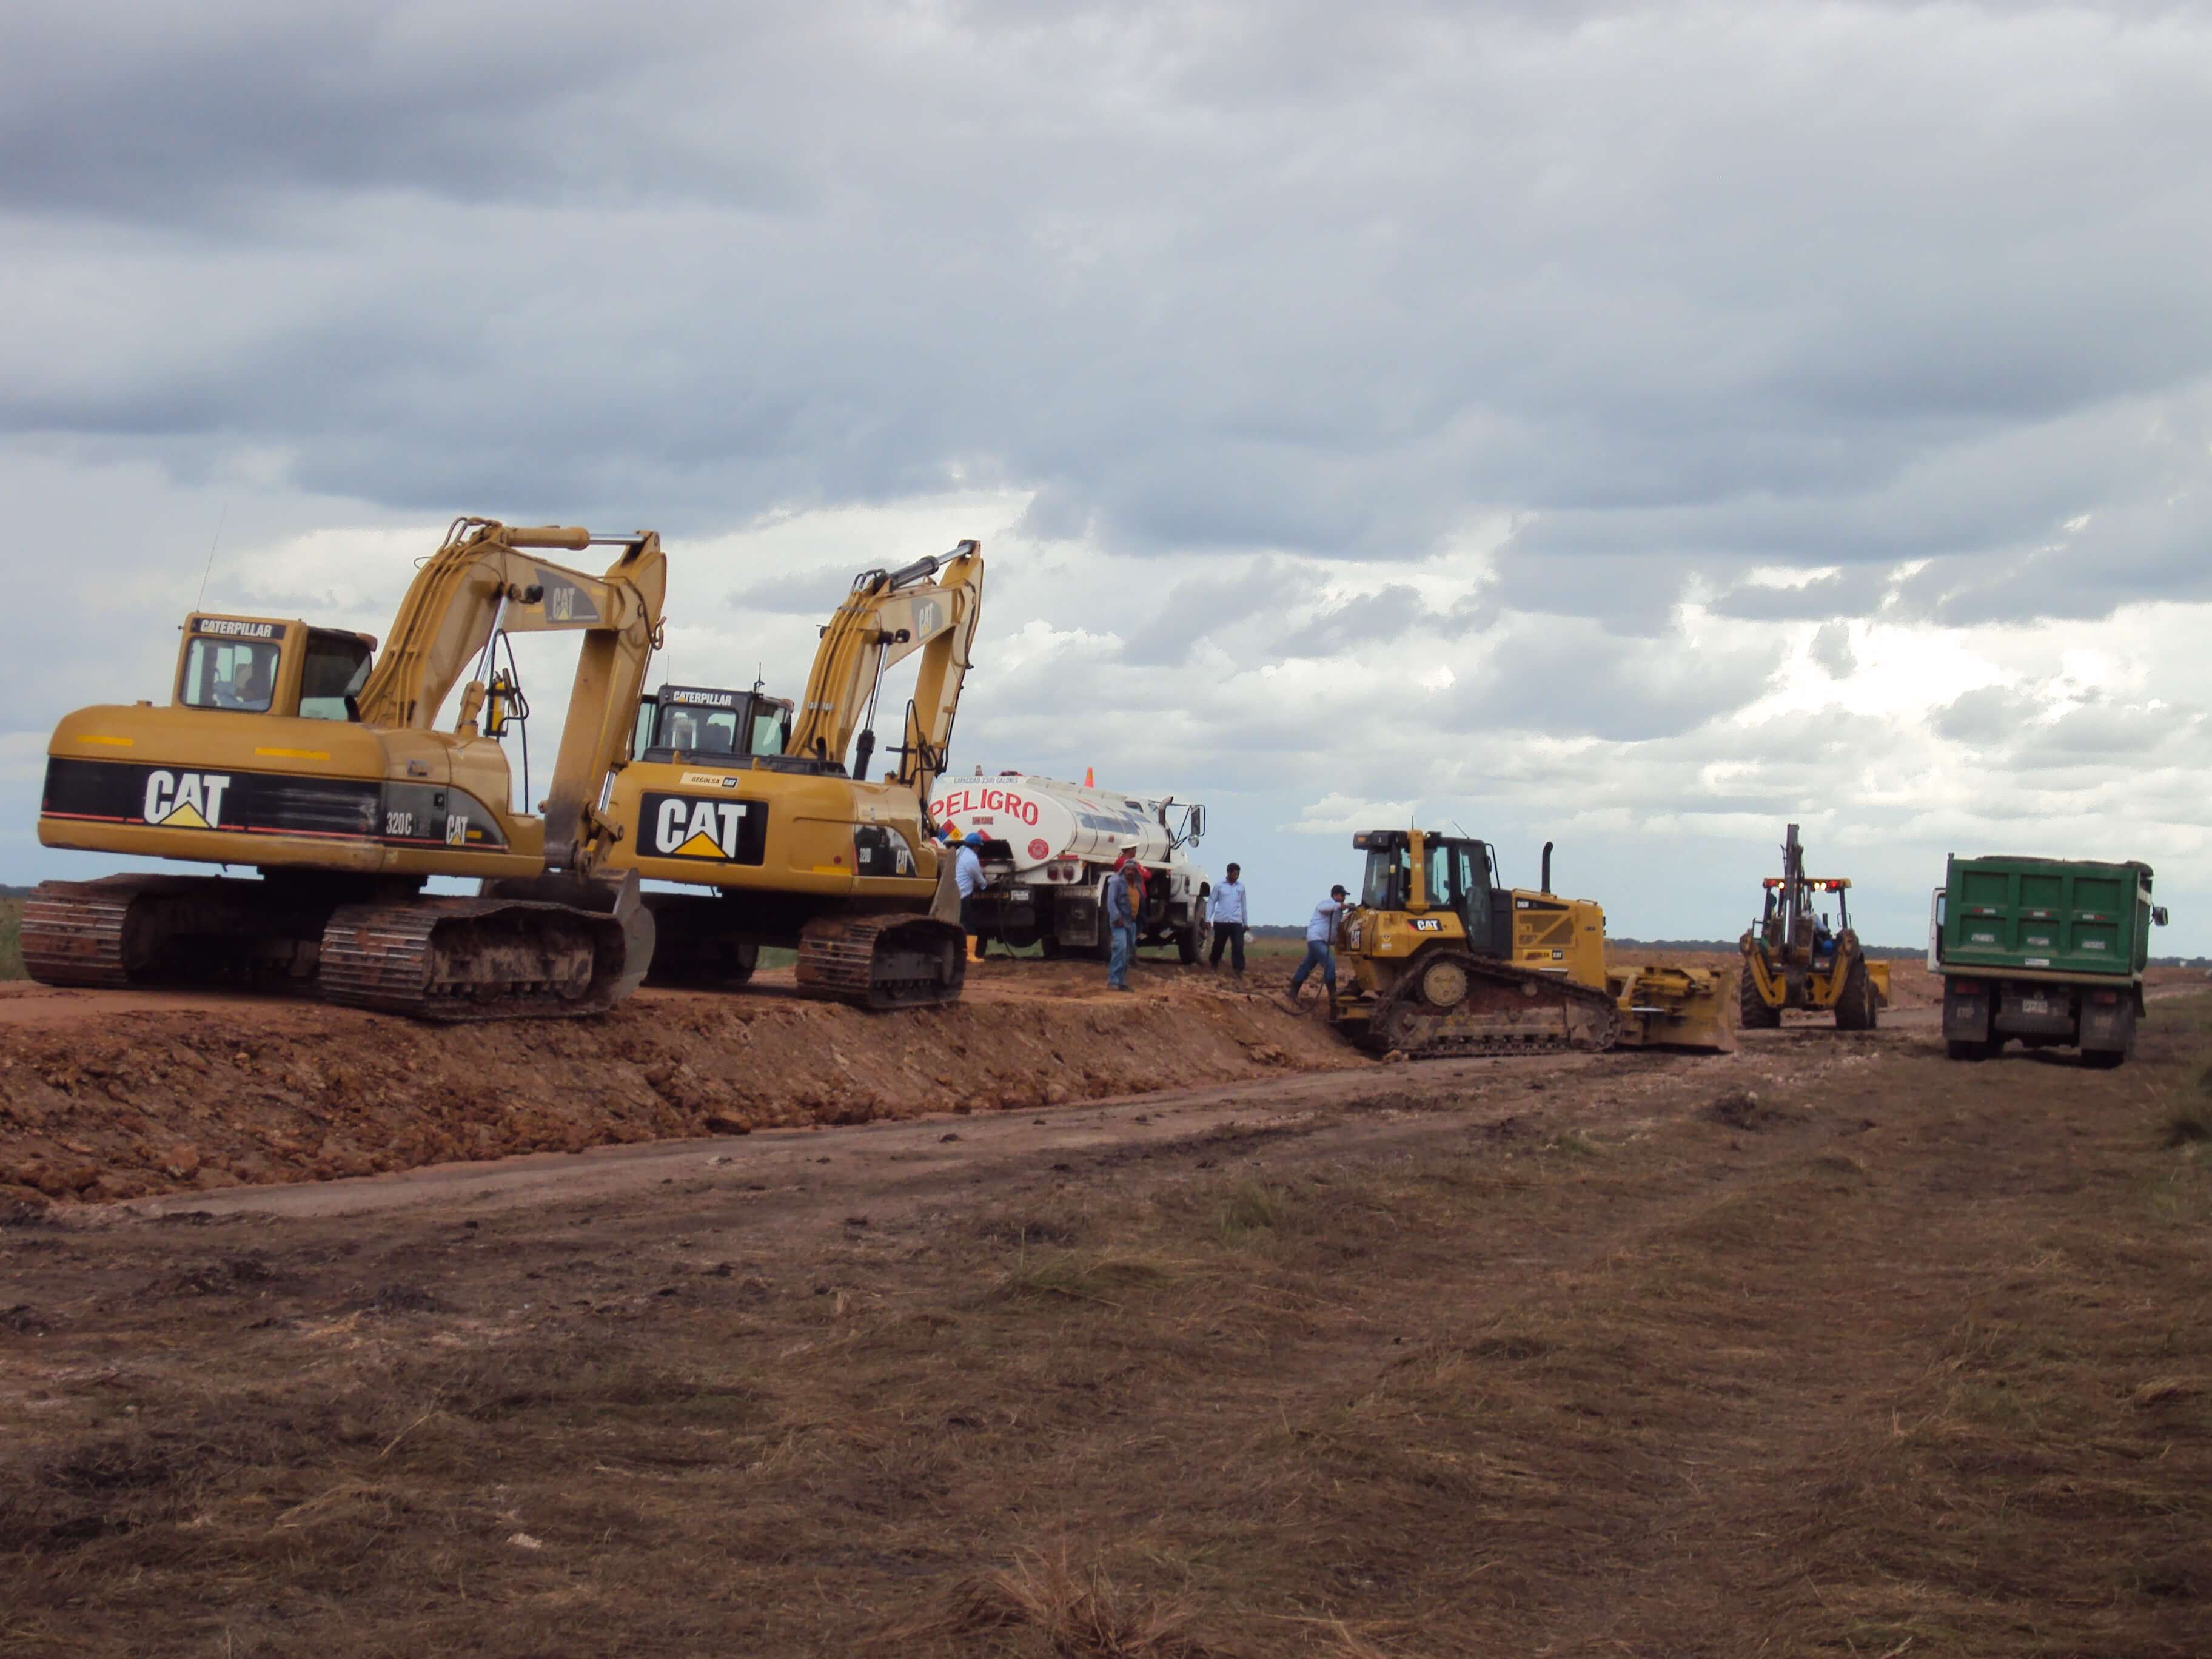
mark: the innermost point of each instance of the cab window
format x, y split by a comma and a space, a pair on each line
1384, 887
770, 728
336, 669
235, 674
698, 731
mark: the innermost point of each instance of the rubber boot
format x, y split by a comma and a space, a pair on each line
974, 947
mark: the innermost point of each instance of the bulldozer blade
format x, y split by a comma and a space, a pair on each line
1676, 1008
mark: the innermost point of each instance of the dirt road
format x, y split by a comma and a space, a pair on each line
1830, 1345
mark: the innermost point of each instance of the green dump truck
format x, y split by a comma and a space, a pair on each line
2049, 951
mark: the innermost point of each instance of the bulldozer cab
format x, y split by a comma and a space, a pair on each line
265, 665
704, 723
1415, 871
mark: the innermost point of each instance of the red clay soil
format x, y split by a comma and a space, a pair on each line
107, 1096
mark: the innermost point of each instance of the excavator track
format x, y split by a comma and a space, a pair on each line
896, 961
210, 931
1504, 1010
476, 958
72, 933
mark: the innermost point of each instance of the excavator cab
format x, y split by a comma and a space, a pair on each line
268, 665
705, 723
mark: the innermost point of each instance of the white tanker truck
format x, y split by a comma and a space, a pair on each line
1049, 847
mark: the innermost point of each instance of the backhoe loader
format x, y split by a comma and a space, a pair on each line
1793, 959
1447, 961
733, 792
296, 751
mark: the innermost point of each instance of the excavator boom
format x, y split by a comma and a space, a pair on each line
932, 606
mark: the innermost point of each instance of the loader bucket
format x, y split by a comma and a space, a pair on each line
1676, 1008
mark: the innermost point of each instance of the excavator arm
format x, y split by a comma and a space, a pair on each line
932, 606
483, 580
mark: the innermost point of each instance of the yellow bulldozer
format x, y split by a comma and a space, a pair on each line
1793, 959
745, 797
296, 752
1446, 960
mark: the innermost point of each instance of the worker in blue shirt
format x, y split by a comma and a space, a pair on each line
1226, 910
1319, 932
967, 877
1122, 917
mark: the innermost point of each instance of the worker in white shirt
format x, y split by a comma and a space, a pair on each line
1225, 910
1320, 931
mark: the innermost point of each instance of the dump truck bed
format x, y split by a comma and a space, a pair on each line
2044, 916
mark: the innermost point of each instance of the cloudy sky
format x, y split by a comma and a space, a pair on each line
1633, 425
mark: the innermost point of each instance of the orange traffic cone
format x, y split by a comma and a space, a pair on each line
1089, 783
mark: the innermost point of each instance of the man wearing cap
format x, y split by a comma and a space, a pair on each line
1319, 932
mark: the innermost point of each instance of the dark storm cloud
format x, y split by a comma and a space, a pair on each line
1225, 278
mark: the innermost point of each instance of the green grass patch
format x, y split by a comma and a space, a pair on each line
11, 939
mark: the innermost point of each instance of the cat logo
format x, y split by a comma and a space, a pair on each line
698, 828
564, 601
1427, 925
185, 800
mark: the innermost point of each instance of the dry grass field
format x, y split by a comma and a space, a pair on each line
1827, 1347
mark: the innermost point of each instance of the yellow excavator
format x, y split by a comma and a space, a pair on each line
1446, 960
296, 752
740, 794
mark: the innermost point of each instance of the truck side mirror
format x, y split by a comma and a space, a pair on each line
1197, 824
2158, 914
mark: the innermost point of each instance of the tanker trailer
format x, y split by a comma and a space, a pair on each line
1049, 847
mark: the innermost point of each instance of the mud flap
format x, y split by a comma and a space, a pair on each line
2108, 1022
1967, 1010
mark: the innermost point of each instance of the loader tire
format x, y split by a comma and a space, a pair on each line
1752, 1012
1857, 1009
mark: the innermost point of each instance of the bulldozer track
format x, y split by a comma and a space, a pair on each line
72, 933
410, 958
901, 960
1397, 1021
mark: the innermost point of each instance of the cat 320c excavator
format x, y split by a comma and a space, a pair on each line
1446, 961
724, 791
283, 750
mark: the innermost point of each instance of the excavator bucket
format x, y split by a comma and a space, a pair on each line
1675, 1008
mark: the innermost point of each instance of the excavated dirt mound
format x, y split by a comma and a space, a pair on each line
117, 1095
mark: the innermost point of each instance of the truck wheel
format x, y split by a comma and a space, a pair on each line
1753, 1013
1855, 1008
2103, 1060
1191, 942
1972, 1048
